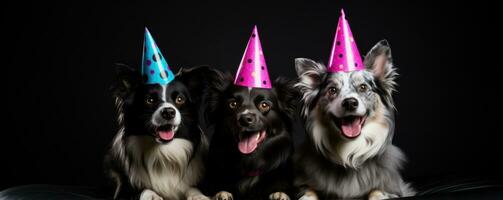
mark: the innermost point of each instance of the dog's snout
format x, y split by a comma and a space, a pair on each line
168, 113
246, 120
350, 104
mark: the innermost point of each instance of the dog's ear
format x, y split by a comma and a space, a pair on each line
311, 74
288, 96
198, 80
217, 87
223, 81
201, 82
126, 81
379, 61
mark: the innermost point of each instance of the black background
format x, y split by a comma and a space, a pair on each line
58, 115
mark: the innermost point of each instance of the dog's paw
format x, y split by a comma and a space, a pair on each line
198, 197
378, 195
223, 195
279, 196
309, 195
149, 195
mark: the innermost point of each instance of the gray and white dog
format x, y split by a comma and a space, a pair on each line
349, 122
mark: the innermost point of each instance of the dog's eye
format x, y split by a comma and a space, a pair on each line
150, 100
180, 100
233, 104
363, 88
332, 90
264, 106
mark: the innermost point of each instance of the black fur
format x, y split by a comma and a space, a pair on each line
135, 114
269, 168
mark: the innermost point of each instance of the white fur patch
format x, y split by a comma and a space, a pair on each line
149, 195
305, 197
164, 168
157, 120
350, 152
163, 94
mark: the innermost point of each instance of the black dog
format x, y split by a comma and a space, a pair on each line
250, 151
159, 148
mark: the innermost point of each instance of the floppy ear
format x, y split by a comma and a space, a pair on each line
311, 76
288, 96
378, 60
217, 87
127, 79
198, 80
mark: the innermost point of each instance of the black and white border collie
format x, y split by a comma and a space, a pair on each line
159, 150
349, 123
250, 154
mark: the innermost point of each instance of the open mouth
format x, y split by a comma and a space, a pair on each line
248, 142
350, 126
165, 133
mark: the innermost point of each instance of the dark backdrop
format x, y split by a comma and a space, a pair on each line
58, 116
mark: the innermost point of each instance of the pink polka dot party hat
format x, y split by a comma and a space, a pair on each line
252, 71
344, 56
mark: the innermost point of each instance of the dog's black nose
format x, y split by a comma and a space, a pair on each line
350, 104
168, 113
246, 120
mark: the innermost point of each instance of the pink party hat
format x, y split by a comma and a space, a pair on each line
252, 71
344, 56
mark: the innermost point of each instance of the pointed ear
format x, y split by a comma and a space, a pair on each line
288, 96
311, 74
379, 62
127, 79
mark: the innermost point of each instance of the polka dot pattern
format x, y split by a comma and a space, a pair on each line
252, 70
155, 69
344, 56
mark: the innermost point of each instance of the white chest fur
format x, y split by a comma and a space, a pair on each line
166, 169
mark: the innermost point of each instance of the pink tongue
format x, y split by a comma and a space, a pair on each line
351, 128
249, 144
166, 135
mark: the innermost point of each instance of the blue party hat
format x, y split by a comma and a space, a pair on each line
155, 69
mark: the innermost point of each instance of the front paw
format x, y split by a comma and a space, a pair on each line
149, 195
309, 195
378, 195
279, 196
198, 197
223, 195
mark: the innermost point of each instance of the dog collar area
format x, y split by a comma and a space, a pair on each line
256, 172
